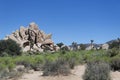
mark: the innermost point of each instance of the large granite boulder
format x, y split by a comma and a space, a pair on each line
105, 46
32, 39
23, 33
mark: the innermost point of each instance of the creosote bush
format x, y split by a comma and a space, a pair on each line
97, 70
113, 52
115, 63
58, 67
6, 71
71, 63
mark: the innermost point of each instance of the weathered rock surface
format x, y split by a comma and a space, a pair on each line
105, 46
33, 39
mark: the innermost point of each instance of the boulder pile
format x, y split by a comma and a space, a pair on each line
33, 39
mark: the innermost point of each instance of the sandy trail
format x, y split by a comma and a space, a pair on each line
76, 74
115, 75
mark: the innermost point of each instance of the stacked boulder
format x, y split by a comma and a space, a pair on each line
32, 39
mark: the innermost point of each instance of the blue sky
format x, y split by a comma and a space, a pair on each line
67, 20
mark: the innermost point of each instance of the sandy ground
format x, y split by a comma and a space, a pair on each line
76, 74
115, 75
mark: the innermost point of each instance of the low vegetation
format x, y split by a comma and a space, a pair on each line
58, 67
9, 48
97, 70
57, 63
115, 63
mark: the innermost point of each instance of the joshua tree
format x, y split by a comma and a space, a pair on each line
91, 42
74, 45
118, 42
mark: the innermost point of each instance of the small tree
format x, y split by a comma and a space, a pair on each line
9, 47
60, 45
82, 46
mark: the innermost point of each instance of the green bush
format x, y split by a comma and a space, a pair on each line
14, 75
37, 67
65, 48
2, 66
7, 72
97, 71
82, 46
11, 66
59, 67
72, 63
26, 63
3, 74
9, 47
115, 63
72, 58
114, 44
113, 52
30, 62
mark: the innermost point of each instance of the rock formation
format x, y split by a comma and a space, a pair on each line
32, 39
105, 46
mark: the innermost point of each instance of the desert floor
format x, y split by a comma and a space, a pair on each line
76, 74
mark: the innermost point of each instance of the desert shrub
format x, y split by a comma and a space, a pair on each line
58, 67
112, 52
9, 47
63, 52
72, 63
51, 57
30, 62
65, 48
2, 66
88, 55
101, 55
3, 74
97, 71
115, 63
24, 60
37, 67
11, 66
38, 62
114, 44
82, 46
72, 58
6, 62
14, 75
98, 56
7, 72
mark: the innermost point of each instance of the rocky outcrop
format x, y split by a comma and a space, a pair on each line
33, 39
90, 47
105, 46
